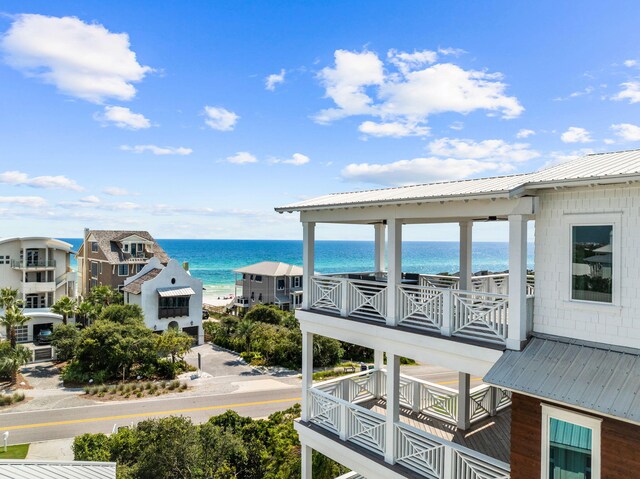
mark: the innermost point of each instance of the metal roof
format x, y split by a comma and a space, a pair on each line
38, 469
594, 376
271, 268
610, 167
176, 291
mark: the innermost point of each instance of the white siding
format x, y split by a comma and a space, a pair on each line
555, 313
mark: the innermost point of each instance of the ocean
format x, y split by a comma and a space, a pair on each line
213, 261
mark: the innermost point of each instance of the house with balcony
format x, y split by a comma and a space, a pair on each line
268, 282
109, 257
559, 353
169, 297
40, 269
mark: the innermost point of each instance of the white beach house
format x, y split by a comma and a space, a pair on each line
40, 269
169, 297
559, 354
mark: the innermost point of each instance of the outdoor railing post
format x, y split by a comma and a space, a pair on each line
448, 463
344, 418
344, 297
417, 396
344, 390
493, 400
447, 313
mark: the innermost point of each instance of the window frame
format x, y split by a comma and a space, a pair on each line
579, 419
284, 284
91, 266
94, 246
127, 273
594, 219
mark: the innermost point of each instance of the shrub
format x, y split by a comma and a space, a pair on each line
65, 339
91, 447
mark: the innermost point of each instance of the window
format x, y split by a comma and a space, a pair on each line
94, 268
2, 260
123, 270
173, 307
296, 281
260, 297
281, 283
94, 283
22, 333
94, 247
592, 263
252, 296
258, 278
126, 247
570, 445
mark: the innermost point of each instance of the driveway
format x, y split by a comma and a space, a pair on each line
218, 362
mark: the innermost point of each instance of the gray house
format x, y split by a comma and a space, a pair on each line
268, 282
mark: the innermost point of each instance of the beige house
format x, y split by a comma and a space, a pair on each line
268, 282
110, 257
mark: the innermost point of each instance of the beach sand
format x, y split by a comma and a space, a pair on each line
212, 300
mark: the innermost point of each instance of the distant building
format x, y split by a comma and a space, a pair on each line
169, 297
269, 282
109, 257
40, 269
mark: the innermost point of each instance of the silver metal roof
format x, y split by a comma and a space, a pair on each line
594, 376
176, 291
271, 268
35, 469
610, 167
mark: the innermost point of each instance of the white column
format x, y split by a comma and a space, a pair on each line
307, 462
380, 231
394, 275
378, 364
466, 240
307, 372
308, 261
378, 358
393, 406
517, 332
464, 385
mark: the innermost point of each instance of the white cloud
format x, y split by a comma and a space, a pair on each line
493, 150
82, 60
456, 52
220, 118
576, 135
575, 94
457, 125
274, 79
627, 131
158, 150
242, 158
358, 84
395, 129
122, 117
525, 133
30, 201
558, 157
630, 91
91, 199
297, 159
19, 178
418, 170
116, 191
630, 63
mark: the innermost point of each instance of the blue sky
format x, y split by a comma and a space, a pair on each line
195, 119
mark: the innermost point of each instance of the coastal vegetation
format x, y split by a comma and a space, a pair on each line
118, 345
225, 447
12, 355
137, 389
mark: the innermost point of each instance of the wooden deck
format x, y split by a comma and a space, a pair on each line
492, 436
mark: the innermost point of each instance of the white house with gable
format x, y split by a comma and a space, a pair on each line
558, 352
169, 297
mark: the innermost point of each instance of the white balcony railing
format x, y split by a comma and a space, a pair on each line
33, 287
434, 304
417, 450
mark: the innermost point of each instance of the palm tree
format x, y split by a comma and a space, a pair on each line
86, 312
14, 360
64, 306
12, 318
8, 297
244, 330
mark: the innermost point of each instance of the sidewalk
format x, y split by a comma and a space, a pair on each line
58, 449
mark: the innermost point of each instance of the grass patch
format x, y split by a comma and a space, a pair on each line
9, 399
19, 451
138, 389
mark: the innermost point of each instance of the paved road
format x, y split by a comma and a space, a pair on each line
42, 425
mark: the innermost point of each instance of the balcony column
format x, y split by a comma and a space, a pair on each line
517, 332
380, 232
466, 241
307, 462
378, 364
308, 261
464, 386
393, 406
307, 372
394, 275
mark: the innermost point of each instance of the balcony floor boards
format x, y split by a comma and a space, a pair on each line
491, 436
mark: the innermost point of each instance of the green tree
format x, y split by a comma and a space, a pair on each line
86, 313
265, 314
65, 306
65, 339
12, 358
92, 447
101, 296
11, 319
123, 314
173, 343
8, 297
244, 330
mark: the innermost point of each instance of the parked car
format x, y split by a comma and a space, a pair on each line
205, 314
44, 336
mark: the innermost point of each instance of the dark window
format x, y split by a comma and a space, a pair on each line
252, 295
592, 263
280, 283
94, 269
94, 247
173, 307
123, 269
260, 297
259, 278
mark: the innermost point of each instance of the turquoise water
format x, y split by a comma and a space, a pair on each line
213, 261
